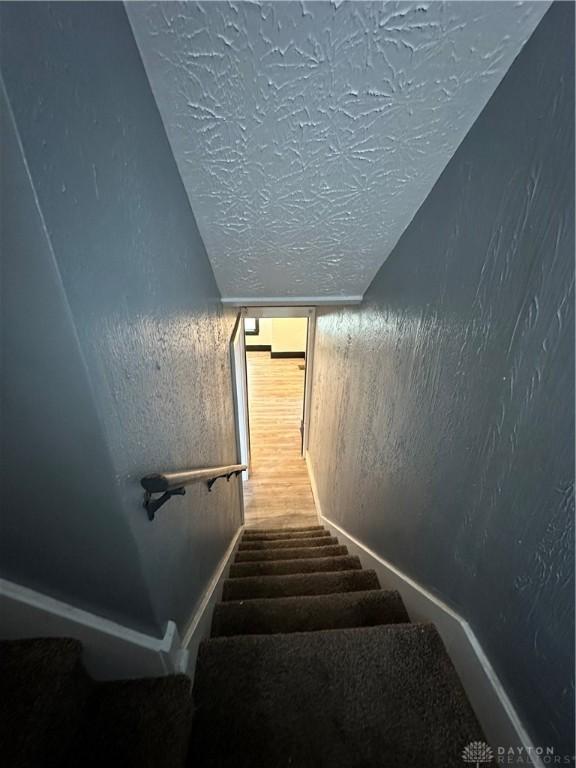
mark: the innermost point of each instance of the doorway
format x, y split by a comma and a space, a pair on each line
278, 358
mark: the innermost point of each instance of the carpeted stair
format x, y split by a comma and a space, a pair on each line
53, 715
303, 565
271, 544
311, 665
251, 555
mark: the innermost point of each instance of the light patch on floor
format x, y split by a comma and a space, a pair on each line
278, 493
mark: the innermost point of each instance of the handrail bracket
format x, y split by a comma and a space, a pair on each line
153, 505
228, 475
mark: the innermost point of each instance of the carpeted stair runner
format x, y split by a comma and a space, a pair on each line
279, 532
53, 715
299, 584
320, 541
315, 534
44, 690
311, 665
308, 613
142, 722
280, 567
257, 555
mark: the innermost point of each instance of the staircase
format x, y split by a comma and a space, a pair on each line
312, 664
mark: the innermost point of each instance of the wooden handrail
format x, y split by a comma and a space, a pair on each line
172, 483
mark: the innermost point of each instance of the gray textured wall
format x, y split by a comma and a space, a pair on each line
443, 407
139, 377
59, 521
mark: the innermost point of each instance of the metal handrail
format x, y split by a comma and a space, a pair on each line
172, 483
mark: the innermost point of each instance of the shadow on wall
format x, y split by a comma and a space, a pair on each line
116, 344
443, 408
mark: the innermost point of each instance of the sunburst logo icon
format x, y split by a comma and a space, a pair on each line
477, 752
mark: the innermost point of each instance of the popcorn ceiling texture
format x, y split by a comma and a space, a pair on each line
308, 134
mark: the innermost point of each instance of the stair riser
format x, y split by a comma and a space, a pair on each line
265, 555
283, 536
306, 528
280, 567
308, 614
319, 542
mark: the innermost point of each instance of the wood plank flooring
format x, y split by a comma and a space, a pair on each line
278, 493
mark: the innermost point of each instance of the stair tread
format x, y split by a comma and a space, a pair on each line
135, 722
322, 541
372, 696
299, 565
260, 555
285, 530
281, 535
308, 613
44, 692
299, 584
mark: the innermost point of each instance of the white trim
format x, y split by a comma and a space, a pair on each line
289, 301
279, 311
240, 394
485, 691
111, 650
310, 314
308, 374
200, 623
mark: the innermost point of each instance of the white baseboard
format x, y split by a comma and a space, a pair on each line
111, 651
199, 624
494, 710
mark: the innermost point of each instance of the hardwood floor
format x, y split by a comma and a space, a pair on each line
278, 493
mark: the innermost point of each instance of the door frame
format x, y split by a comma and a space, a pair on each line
310, 313
240, 393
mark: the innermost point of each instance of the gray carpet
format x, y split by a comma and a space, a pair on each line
308, 613
259, 531
299, 584
281, 567
284, 535
252, 544
52, 715
257, 555
44, 692
311, 665
343, 698
142, 723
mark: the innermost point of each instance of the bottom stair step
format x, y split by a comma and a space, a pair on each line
348, 698
143, 723
308, 613
249, 587
44, 693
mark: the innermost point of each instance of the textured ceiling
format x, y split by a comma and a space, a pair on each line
308, 134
